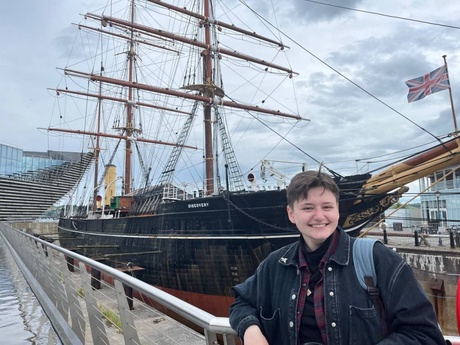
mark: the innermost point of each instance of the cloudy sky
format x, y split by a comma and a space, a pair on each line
352, 67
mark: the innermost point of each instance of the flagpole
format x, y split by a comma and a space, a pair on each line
451, 100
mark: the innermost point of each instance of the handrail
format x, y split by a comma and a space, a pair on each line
49, 264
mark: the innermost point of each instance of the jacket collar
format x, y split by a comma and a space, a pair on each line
290, 255
343, 252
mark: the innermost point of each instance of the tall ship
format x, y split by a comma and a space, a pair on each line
158, 104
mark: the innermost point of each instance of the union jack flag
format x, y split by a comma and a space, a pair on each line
432, 82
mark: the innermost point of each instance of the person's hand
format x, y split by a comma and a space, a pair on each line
254, 336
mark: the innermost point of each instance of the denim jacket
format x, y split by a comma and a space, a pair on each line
269, 299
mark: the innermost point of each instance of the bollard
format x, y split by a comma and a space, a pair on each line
129, 296
385, 236
439, 292
70, 263
452, 241
95, 279
416, 238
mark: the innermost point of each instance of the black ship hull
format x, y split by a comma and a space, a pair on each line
198, 249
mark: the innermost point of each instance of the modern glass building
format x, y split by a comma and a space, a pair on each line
440, 204
32, 182
16, 161
10, 160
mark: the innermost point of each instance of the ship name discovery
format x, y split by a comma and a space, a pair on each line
198, 205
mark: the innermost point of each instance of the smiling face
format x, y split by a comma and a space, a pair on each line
316, 216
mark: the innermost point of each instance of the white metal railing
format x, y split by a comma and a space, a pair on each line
91, 303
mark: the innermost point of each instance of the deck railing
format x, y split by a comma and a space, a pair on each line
91, 303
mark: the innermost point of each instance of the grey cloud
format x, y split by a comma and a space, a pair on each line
304, 11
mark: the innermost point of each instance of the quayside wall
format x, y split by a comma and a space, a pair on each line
438, 273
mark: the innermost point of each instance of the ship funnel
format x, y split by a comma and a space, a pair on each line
110, 185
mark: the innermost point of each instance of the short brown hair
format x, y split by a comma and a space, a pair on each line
306, 180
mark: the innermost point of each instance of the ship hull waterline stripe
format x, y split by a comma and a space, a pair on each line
258, 237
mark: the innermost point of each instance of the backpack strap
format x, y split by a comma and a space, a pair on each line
363, 259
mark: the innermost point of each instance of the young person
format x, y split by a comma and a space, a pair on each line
308, 292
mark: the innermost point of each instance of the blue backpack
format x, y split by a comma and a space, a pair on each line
363, 259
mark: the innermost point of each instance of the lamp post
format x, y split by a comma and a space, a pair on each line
438, 194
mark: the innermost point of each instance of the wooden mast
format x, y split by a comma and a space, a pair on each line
129, 110
97, 149
207, 111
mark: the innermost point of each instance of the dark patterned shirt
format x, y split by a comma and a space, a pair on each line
311, 296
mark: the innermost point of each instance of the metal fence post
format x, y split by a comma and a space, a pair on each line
96, 323
210, 337
229, 339
129, 328
78, 322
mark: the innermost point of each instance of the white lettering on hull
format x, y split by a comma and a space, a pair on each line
199, 205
